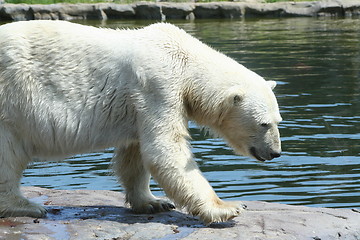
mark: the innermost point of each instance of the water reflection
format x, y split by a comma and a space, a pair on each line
317, 65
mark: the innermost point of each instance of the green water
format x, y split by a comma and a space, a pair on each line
316, 63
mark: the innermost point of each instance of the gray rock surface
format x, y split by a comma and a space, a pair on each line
219, 10
87, 214
148, 10
178, 11
118, 11
187, 10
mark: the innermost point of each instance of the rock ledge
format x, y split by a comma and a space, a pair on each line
186, 10
87, 214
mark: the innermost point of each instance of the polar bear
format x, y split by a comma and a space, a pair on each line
66, 89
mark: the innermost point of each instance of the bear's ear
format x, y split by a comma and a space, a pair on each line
236, 99
235, 96
272, 84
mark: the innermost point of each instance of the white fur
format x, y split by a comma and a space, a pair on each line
67, 89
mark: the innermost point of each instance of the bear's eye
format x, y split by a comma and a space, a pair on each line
265, 125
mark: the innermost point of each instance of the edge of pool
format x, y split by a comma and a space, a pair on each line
182, 10
102, 214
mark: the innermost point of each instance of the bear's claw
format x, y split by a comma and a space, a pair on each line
168, 206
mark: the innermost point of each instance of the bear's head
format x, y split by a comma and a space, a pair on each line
250, 122
225, 96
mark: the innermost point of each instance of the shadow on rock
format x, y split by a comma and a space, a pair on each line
126, 215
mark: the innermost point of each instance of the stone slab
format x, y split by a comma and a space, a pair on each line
186, 10
90, 214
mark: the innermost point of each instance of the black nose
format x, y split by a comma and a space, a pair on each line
275, 154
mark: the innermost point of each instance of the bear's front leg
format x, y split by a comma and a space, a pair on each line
169, 160
129, 167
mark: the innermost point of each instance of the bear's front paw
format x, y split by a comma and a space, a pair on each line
153, 206
220, 211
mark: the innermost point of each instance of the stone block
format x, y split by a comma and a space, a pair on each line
177, 10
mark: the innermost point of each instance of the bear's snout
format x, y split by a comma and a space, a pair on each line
275, 154
259, 157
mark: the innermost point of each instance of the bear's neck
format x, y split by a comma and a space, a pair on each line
206, 102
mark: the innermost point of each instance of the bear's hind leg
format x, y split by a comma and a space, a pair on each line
129, 168
13, 161
13, 204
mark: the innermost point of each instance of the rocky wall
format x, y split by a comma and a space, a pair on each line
188, 10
